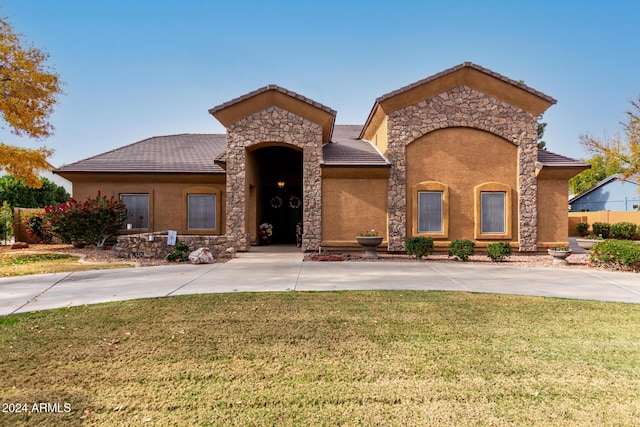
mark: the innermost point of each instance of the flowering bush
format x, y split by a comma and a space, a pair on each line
265, 230
370, 233
623, 230
558, 248
616, 255
92, 221
38, 227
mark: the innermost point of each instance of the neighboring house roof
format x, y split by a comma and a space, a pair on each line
345, 149
185, 153
634, 179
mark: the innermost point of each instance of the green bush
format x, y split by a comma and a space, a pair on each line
461, 249
582, 228
419, 247
616, 254
180, 253
623, 230
601, 229
498, 252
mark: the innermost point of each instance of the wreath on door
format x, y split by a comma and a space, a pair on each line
276, 202
294, 202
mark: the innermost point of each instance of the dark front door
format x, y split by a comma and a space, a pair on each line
282, 208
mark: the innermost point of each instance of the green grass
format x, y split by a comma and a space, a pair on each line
33, 258
346, 358
14, 264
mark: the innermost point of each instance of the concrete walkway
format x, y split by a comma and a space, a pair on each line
280, 269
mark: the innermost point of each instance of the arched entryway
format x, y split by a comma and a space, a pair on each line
274, 174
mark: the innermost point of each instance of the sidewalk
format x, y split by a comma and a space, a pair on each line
280, 269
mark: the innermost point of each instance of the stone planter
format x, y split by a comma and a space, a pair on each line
369, 244
559, 257
587, 243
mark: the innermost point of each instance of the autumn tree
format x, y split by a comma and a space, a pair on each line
624, 149
29, 88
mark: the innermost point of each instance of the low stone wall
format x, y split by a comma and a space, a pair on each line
140, 246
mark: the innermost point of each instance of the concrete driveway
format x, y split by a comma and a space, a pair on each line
280, 269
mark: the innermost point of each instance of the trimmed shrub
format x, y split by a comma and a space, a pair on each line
616, 255
499, 251
601, 229
180, 253
623, 230
419, 246
461, 249
582, 228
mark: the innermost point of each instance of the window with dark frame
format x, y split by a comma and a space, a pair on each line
201, 211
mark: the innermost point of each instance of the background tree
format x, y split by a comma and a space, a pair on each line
19, 195
541, 127
28, 89
601, 167
6, 222
624, 150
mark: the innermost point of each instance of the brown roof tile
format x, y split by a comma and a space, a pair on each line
277, 88
547, 158
467, 65
185, 153
346, 149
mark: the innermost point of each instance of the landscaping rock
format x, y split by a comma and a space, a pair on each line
201, 256
20, 245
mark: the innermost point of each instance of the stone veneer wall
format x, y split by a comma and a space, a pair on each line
274, 124
463, 106
139, 246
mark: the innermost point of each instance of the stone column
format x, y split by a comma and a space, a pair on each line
274, 125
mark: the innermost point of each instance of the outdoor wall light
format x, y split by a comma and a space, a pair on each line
280, 184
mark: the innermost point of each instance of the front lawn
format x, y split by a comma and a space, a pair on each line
39, 259
334, 358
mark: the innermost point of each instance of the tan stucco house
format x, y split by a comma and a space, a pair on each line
452, 156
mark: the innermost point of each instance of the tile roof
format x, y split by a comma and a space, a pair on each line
276, 88
185, 153
460, 67
345, 149
549, 159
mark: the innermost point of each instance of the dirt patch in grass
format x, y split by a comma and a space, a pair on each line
341, 358
57, 258
48, 259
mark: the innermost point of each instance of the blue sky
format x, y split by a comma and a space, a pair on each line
135, 69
